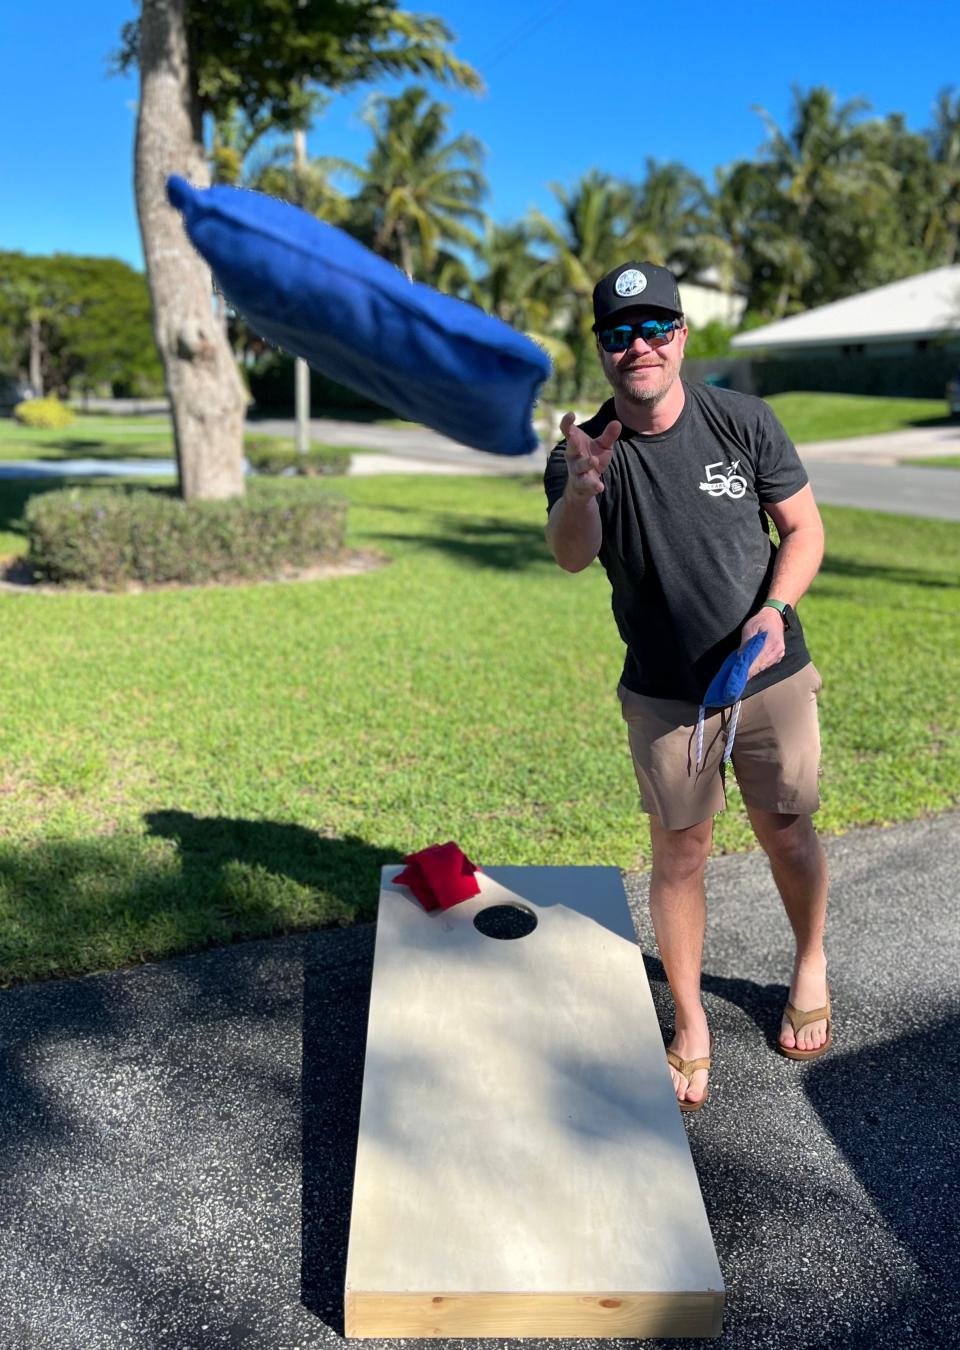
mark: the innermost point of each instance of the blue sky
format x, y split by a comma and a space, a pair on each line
571, 84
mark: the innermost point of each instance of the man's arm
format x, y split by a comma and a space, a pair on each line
801, 545
798, 560
574, 532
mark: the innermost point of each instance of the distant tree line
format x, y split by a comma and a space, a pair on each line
834, 203
831, 205
74, 324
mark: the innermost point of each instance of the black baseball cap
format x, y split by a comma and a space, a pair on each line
635, 285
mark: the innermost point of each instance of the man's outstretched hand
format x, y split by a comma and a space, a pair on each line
587, 458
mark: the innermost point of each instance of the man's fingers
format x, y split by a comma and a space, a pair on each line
611, 432
568, 421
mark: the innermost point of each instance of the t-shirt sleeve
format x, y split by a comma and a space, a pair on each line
555, 475
780, 472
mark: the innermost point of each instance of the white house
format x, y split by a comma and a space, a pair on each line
898, 319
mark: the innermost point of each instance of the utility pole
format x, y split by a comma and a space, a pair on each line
301, 369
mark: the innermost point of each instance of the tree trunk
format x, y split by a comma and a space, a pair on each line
36, 355
206, 393
406, 252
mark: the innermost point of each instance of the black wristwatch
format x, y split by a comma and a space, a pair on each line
784, 610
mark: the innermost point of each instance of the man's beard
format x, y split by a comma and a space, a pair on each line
643, 390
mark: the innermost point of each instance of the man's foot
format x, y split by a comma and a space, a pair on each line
808, 990
691, 1041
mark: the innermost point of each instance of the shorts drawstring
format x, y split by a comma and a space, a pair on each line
731, 732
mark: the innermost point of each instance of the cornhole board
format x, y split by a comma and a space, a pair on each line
522, 1165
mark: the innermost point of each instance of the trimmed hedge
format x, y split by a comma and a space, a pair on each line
110, 537
48, 414
268, 456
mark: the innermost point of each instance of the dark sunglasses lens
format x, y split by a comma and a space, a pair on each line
657, 334
616, 339
654, 332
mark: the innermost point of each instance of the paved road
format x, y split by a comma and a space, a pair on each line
909, 490
860, 472
177, 1141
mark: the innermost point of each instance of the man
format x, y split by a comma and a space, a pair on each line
670, 484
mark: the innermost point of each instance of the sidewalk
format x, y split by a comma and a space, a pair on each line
177, 1141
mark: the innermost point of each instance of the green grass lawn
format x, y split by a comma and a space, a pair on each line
89, 438
826, 417
937, 462
185, 768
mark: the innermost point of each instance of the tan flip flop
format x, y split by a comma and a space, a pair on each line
688, 1067
798, 1019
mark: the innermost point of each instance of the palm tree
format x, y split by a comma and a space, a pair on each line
419, 190
673, 207
597, 230
824, 185
944, 137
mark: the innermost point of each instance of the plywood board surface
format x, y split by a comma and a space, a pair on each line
520, 1144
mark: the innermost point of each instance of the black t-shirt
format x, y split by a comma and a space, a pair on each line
686, 543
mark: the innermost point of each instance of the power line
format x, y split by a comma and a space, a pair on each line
520, 34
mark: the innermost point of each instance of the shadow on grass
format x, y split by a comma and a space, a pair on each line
898, 575
493, 542
942, 420
162, 448
70, 907
345, 871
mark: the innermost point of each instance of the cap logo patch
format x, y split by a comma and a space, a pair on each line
630, 282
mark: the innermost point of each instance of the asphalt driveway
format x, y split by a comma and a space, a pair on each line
177, 1141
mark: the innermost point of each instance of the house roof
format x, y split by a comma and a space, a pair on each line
924, 306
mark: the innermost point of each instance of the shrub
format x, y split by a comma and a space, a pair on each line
48, 414
709, 340
270, 456
108, 537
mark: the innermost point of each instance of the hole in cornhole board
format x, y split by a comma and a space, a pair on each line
505, 922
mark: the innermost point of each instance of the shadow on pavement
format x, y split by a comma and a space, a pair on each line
762, 1003
336, 997
892, 1110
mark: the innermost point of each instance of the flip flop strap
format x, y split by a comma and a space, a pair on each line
799, 1019
688, 1067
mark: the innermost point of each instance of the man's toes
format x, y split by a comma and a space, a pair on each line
695, 1091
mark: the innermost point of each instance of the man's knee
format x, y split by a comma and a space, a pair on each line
789, 840
680, 855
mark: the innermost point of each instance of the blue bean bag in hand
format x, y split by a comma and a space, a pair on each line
308, 288
726, 687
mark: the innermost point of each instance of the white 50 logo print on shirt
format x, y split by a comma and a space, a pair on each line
729, 484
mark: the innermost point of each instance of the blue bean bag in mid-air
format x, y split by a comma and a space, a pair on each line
308, 288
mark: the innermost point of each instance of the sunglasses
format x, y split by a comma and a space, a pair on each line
655, 333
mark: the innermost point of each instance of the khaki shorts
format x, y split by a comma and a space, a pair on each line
776, 752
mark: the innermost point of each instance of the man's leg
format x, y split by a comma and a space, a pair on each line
679, 912
799, 868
